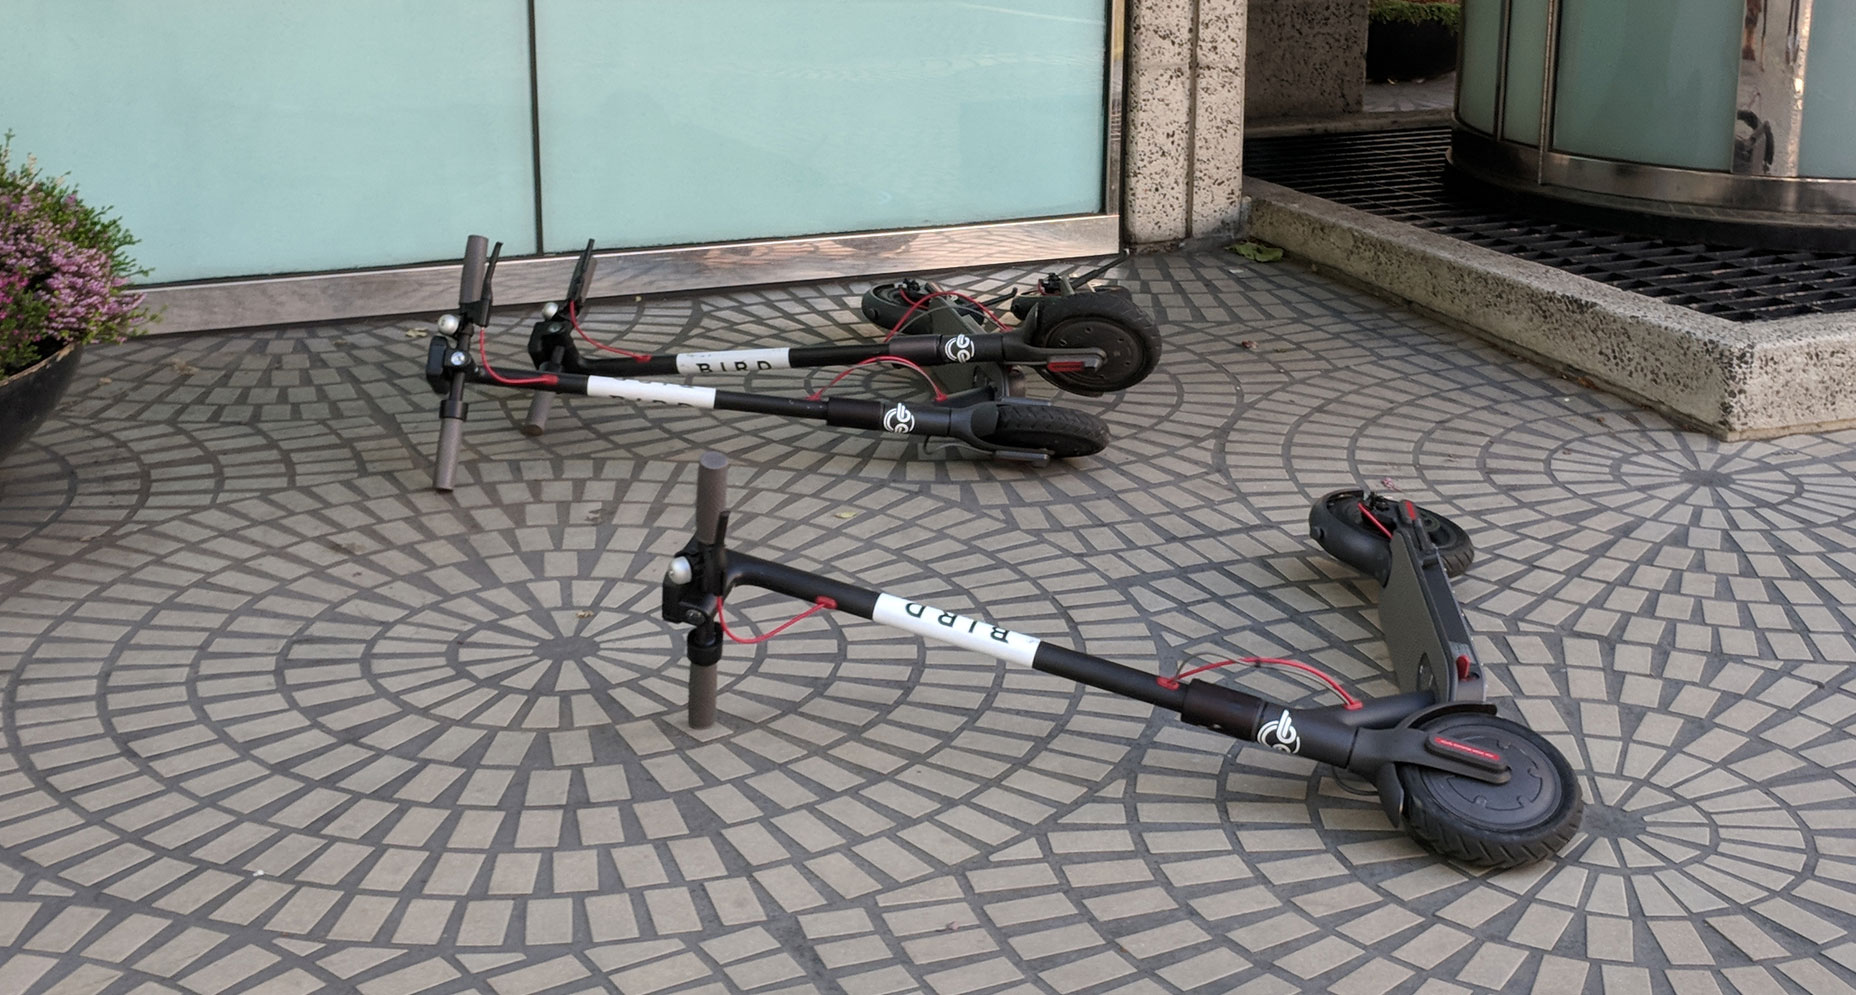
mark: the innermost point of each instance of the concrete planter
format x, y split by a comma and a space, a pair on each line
28, 397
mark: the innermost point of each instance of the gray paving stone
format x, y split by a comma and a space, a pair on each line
252, 640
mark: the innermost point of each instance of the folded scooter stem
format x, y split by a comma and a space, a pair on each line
707, 571
557, 354
1328, 735
843, 412
1426, 636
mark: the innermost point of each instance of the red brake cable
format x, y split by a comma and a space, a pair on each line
821, 604
925, 298
483, 359
1352, 703
1367, 514
573, 318
939, 394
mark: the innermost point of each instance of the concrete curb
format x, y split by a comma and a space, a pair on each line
1735, 380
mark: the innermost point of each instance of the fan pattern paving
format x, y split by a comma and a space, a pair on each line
278, 719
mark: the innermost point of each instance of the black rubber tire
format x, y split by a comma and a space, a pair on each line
1023, 303
1061, 432
1494, 825
1099, 319
883, 305
1453, 543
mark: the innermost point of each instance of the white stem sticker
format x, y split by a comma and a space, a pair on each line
646, 390
736, 361
974, 634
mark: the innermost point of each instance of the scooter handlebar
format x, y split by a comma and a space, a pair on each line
476, 251
450, 439
711, 494
540, 404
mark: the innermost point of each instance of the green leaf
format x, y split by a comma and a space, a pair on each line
1257, 251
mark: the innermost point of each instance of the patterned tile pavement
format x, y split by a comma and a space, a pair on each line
279, 719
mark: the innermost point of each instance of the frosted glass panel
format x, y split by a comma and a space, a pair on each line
246, 138
1649, 80
708, 120
1527, 60
1475, 81
1828, 145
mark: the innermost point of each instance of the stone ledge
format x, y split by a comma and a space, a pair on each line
1735, 380
1438, 117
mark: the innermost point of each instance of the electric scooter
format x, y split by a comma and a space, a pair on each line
1063, 311
984, 417
1460, 780
1083, 340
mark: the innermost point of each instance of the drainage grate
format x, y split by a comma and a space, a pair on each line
1399, 175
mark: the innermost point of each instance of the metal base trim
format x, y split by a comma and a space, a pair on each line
323, 297
1661, 190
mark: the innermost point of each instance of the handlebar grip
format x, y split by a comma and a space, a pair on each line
702, 697
711, 493
540, 403
450, 438
476, 250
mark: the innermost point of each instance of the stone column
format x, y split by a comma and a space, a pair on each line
1182, 158
1306, 58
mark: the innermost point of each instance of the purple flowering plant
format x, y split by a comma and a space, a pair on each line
64, 267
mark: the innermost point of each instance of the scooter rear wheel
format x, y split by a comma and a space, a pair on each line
1493, 825
1098, 319
885, 304
1061, 432
1338, 524
1023, 303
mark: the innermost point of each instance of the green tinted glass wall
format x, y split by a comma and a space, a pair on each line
1527, 60
250, 138
1829, 140
244, 139
709, 120
1476, 82
1648, 80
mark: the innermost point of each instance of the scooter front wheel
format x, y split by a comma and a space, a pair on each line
1098, 319
1339, 524
1061, 432
1493, 825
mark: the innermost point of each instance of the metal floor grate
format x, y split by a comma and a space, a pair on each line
1399, 175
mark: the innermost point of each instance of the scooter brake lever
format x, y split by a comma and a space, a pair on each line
1120, 257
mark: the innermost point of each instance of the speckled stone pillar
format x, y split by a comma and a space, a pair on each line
1307, 58
1184, 134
